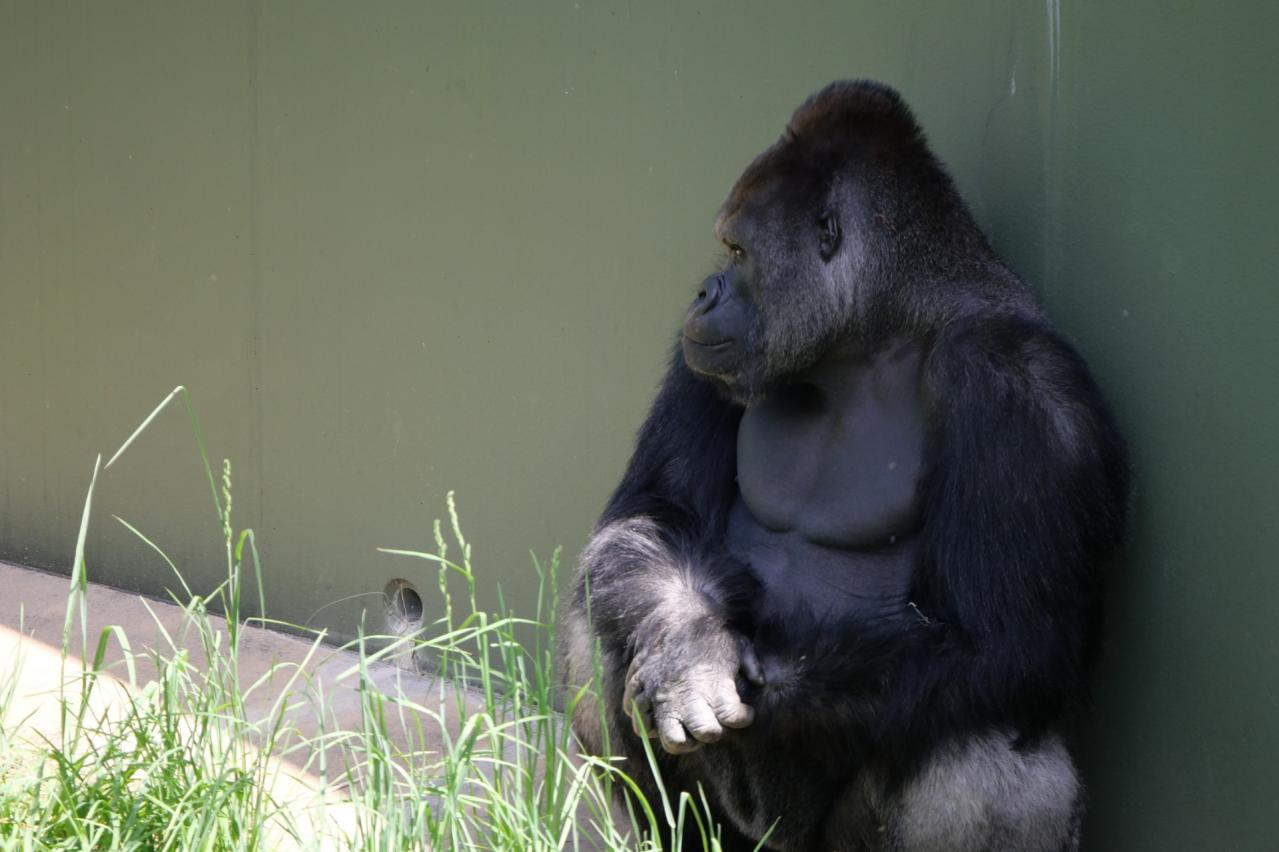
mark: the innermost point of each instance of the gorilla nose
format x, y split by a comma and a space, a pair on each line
709, 295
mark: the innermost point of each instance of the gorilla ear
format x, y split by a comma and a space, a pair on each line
828, 235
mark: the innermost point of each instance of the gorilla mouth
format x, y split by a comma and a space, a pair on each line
715, 346
715, 359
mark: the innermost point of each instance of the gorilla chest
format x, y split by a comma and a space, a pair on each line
827, 471
837, 460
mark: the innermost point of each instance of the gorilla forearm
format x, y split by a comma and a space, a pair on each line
664, 612
633, 574
1025, 488
661, 593
658, 545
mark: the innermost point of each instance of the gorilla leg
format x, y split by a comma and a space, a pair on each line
981, 795
577, 657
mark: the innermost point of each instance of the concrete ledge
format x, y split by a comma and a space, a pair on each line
32, 612
33, 603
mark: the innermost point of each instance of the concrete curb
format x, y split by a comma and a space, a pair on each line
32, 613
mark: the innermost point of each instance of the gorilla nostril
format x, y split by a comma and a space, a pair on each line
708, 295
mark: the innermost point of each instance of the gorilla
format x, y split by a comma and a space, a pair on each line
851, 577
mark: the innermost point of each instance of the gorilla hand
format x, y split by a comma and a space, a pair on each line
682, 684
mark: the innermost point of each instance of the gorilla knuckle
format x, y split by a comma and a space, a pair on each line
707, 733
735, 714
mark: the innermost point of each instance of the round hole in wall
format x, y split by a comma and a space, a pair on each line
403, 606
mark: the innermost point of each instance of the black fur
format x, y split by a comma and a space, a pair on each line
1023, 492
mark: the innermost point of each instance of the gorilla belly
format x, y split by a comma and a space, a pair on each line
801, 578
828, 470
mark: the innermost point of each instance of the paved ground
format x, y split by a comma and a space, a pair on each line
32, 611
33, 607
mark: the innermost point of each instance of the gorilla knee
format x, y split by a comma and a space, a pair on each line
985, 794
581, 696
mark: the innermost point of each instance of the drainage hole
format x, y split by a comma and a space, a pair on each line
403, 606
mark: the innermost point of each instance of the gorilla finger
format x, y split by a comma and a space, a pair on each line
750, 662
633, 693
639, 708
633, 678
674, 738
637, 662
732, 713
642, 723
700, 721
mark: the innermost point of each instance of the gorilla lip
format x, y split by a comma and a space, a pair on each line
716, 345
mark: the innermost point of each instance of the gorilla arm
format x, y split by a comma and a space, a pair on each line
1025, 492
659, 593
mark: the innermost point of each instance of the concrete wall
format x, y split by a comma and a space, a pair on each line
401, 248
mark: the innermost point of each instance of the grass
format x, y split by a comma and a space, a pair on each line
177, 760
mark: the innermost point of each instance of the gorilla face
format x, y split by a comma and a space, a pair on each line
785, 291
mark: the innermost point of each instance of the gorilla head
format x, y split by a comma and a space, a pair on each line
817, 231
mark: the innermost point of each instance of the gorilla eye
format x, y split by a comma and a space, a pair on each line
736, 251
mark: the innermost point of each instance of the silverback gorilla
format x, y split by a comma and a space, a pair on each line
851, 576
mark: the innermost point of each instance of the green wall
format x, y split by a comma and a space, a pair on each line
401, 248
